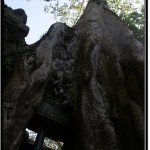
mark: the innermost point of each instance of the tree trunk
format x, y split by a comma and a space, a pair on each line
103, 65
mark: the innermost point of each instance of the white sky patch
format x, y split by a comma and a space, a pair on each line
32, 134
38, 21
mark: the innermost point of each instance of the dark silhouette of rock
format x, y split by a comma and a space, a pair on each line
24, 145
22, 14
88, 79
15, 29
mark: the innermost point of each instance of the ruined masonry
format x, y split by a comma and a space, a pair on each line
82, 85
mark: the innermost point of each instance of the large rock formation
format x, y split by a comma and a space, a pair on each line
88, 79
15, 29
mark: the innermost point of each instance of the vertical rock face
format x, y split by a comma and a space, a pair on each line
97, 66
110, 96
50, 60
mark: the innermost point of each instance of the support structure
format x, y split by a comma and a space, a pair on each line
39, 140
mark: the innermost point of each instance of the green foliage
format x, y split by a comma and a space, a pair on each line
68, 12
10, 13
11, 59
53, 144
132, 14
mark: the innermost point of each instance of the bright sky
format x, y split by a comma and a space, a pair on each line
38, 21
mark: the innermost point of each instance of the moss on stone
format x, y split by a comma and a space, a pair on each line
9, 12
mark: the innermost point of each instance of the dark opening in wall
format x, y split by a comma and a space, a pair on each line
38, 141
32, 135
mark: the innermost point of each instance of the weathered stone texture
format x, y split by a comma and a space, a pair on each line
88, 78
15, 29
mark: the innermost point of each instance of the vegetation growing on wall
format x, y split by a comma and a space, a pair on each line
12, 58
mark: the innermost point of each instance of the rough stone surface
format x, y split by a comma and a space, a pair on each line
110, 96
15, 30
96, 69
21, 13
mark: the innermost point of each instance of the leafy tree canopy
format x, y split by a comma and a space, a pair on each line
131, 12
